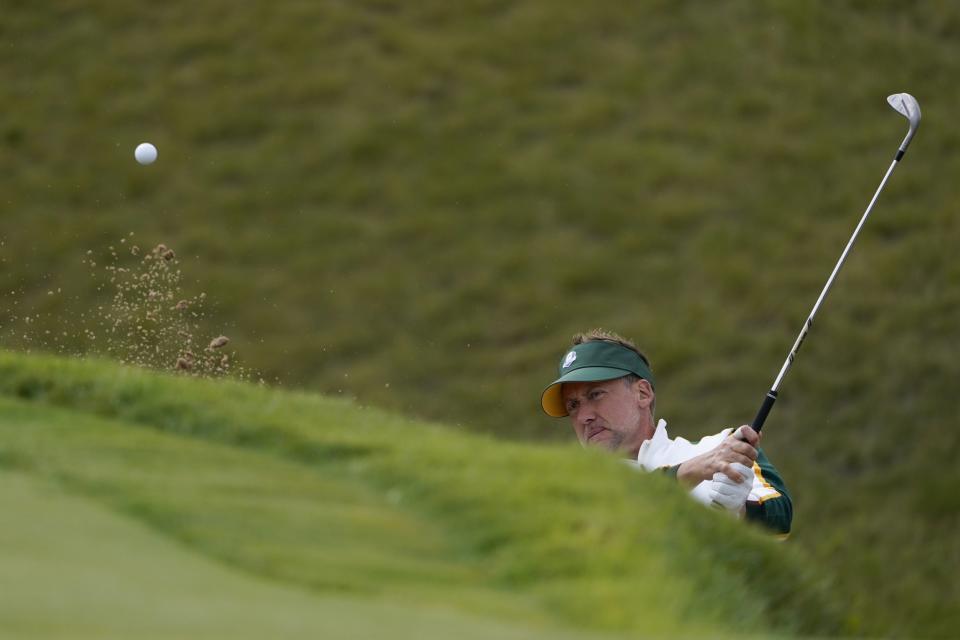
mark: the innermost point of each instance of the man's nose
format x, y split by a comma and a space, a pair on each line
586, 415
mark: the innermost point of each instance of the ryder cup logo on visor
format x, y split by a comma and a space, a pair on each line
569, 359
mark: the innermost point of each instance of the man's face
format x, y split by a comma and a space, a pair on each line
610, 414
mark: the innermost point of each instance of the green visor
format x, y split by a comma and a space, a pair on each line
593, 361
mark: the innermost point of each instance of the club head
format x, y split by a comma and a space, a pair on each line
907, 106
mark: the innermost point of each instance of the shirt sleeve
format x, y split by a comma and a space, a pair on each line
769, 503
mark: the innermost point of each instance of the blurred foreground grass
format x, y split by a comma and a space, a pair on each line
73, 568
330, 499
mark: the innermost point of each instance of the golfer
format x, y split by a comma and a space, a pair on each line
606, 387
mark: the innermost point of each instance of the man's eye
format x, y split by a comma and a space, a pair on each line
572, 405
595, 394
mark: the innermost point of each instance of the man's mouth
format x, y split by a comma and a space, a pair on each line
595, 434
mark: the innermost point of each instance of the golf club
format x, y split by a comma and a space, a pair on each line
907, 106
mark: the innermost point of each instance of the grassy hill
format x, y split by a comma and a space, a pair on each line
415, 205
211, 499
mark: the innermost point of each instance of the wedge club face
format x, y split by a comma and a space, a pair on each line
907, 106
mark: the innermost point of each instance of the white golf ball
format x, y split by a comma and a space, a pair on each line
145, 153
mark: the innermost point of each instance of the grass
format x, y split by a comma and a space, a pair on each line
415, 205
335, 500
75, 568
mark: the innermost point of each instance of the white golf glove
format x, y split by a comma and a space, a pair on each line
731, 495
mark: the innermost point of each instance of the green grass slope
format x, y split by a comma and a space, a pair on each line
416, 204
433, 197
323, 500
72, 568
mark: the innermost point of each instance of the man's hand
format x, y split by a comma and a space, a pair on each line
731, 495
739, 447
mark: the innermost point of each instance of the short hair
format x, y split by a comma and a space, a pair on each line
602, 335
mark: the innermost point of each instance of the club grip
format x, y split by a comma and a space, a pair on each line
768, 401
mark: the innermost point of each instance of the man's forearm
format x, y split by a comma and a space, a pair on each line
775, 514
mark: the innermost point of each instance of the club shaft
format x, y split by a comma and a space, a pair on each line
771, 396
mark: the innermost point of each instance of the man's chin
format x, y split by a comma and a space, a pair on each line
603, 441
